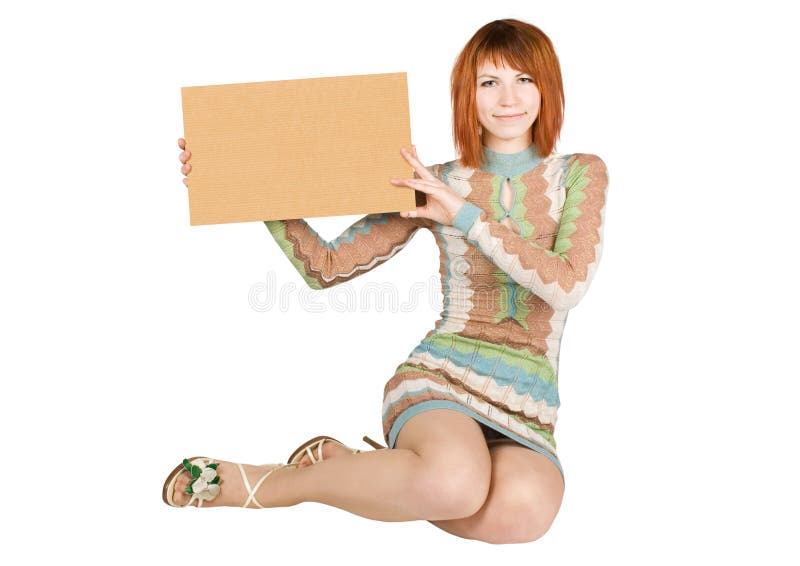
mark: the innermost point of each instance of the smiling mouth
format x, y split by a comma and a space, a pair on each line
509, 117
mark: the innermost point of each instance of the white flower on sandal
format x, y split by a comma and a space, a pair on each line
206, 481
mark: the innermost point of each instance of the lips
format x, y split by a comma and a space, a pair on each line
509, 117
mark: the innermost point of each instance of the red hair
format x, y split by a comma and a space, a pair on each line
523, 47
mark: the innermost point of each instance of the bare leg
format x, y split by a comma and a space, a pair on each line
440, 469
524, 499
386, 485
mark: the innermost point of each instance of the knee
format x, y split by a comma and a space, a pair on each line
524, 517
454, 490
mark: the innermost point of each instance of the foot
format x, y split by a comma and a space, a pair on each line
232, 491
329, 450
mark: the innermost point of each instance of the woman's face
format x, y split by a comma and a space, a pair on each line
508, 104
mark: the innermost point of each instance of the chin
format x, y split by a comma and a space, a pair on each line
511, 134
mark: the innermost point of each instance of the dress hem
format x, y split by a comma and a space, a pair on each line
403, 417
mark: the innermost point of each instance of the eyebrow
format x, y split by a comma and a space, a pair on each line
493, 77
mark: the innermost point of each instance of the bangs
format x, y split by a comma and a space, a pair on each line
504, 49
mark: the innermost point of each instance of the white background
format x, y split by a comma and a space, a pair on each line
130, 340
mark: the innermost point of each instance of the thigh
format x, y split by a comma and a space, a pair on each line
527, 486
427, 432
524, 498
525, 470
448, 431
454, 451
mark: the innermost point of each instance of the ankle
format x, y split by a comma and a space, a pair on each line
274, 490
277, 490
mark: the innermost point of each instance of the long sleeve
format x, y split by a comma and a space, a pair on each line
369, 242
562, 275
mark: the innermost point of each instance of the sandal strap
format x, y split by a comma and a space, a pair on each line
250, 494
313, 449
258, 485
252, 491
372, 443
318, 446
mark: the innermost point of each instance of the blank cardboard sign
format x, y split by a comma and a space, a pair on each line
297, 148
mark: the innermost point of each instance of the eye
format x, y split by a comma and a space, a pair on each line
486, 83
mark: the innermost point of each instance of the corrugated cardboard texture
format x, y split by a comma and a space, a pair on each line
297, 148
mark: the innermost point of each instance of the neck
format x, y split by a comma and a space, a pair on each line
510, 164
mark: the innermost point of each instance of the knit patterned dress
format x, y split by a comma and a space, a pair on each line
521, 253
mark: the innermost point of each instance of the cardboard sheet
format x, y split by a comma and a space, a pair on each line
297, 148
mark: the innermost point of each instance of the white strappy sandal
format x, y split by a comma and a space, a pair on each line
205, 485
315, 444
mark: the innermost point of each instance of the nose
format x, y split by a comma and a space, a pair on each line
508, 95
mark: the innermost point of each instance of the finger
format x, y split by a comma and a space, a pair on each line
418, 184
409, 214
186, 168
419, 168
186, 182
416, 156
407, 182
420, 172
181, 143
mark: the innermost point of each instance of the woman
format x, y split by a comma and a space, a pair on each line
469, 416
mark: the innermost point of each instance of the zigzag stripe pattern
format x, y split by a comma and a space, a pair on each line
509, 276
363, 226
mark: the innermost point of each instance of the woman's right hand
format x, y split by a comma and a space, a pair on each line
184, 157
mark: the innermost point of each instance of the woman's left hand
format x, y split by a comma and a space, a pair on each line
442, 204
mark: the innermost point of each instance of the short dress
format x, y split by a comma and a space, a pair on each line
521, 252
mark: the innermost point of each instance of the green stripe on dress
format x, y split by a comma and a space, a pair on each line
519, 210
576, 182
278, 230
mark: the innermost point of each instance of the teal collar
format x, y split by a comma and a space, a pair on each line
510, 164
